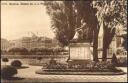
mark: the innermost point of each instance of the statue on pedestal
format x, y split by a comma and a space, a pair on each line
79, 49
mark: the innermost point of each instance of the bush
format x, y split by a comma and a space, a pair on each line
103, 65
57, 66
52, 61
114, 60
94, 66
39, 58
53, 64
122, 61
16, 63
8, 71
5, 59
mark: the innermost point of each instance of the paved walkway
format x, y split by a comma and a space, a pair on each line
30, 73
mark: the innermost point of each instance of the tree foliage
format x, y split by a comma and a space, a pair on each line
67, 16
111, 13
18, 50
86, 14
125, 42
62, 20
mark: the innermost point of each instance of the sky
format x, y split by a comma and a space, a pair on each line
19, 20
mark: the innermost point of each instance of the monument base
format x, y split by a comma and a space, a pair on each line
80, 51
80, 64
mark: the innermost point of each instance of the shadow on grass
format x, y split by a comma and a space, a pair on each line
13, 78
22, 67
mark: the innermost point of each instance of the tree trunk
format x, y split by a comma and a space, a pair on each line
105, 43
95, 46
105, 47
104, 56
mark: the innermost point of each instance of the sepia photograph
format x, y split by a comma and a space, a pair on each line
52, 41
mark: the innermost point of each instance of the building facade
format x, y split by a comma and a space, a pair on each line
4, 44
37, 42
29, 43
33, 42
15, 43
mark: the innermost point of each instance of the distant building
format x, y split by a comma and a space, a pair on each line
37, 42
29, 43
4, 44
33, 42
15, 43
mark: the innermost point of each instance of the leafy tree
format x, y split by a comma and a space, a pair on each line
111, 13
67, 16
18, 50
62, 20
24, 51
86, 13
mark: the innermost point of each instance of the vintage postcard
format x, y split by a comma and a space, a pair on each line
63, 41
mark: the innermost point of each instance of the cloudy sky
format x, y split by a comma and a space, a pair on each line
20, 20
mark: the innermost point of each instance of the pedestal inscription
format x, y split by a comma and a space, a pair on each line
80, 51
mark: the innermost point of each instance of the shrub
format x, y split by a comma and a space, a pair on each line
16, 63
114, 60
122, 61
53, 64
39, 58
104, 65
5, 60
57, 66
52, 61
99, 66
8, 71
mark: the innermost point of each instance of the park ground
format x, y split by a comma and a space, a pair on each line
28, 75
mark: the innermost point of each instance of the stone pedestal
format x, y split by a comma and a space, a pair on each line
80, 51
